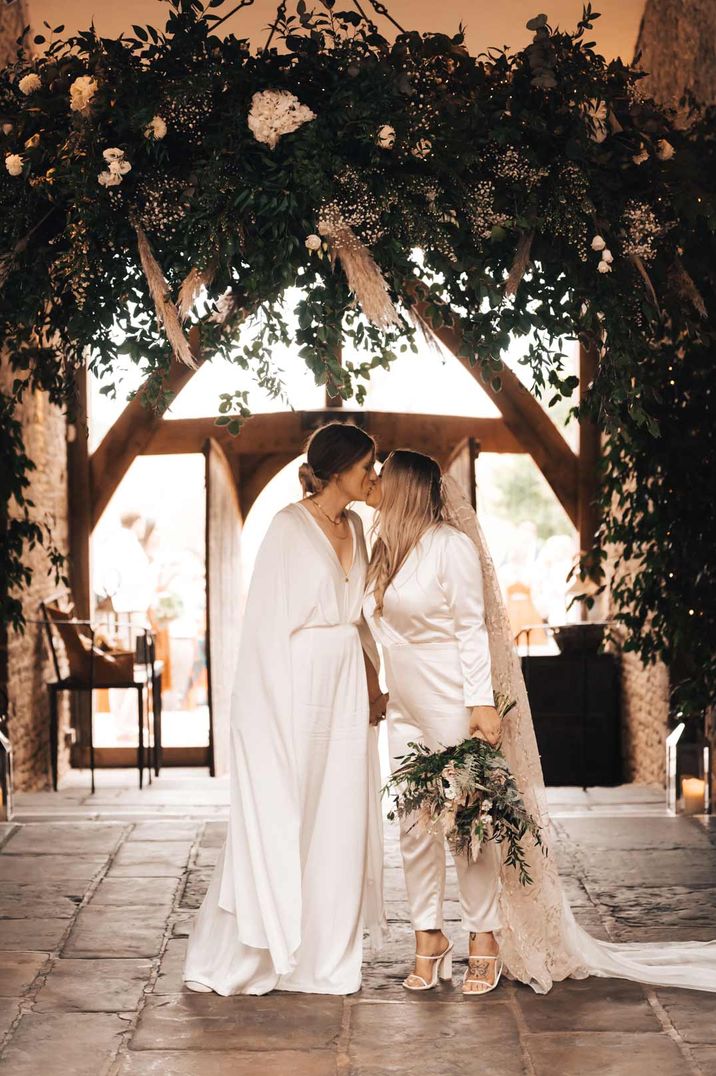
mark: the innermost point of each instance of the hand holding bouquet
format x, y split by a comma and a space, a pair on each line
468, 793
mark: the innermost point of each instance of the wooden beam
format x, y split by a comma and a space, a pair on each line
589, 455
286, 432
133, 430
526, 420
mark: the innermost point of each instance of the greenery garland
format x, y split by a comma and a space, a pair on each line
174, 174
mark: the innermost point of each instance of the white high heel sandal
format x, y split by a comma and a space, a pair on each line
475, 968
442, 969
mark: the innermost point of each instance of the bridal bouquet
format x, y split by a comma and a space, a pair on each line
468, 793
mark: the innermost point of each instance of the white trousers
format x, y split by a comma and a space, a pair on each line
426, 706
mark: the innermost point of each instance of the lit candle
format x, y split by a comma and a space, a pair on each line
693, 789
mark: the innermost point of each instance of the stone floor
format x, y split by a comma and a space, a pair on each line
97, 892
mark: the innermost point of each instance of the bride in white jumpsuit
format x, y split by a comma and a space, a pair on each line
424, 606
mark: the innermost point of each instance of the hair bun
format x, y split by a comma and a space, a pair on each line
309, 480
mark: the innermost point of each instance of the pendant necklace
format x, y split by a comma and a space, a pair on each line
335, 522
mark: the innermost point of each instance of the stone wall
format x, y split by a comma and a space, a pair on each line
677, 42
24, 659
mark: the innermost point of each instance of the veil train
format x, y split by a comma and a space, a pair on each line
541, 941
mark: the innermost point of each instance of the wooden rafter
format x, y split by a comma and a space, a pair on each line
133, 430
526, 420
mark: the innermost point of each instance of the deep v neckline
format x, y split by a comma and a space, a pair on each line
329, 543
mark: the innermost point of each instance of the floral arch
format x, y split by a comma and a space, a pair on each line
159, 189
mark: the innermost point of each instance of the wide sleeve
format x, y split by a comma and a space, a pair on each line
460, 576
261, 880
367, 641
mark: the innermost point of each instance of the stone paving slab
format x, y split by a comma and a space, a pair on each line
65, 869
51, 900
588, 1005
692, 1012
169, 980
107, 932
441, 1040
9, 1008
635, 833
93, 986
207, 856
604, 1053
62, 1044
652, 868
196, 884
41, 838
214, 834
210, 1022
29, 934
668, 913
705, 1058
228, 1063
17, 971
154, 893
150, 859
165, 831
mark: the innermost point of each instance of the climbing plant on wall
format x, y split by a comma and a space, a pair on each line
321, 187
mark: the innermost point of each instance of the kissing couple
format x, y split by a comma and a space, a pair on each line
299, 881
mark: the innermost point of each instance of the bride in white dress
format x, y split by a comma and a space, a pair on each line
300, 874
433, 614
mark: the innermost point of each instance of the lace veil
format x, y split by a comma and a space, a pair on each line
540, 940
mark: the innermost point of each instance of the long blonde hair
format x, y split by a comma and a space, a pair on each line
412, 502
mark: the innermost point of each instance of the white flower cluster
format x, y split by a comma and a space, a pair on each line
14, 164
156, 129
117, 167
29, 83
513, 165
600, 246
275, 113
385, 136
82, 91
642, 229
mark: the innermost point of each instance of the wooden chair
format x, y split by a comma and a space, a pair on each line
90, 667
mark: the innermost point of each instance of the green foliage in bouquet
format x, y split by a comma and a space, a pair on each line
468, 794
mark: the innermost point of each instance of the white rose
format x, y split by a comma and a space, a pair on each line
119, 168
386, 136
82, 91
607, 256
29, 83
604, 267
313, 242
598, 112
7, 128
14, 164
113, 154
156, 128
641, 156
109, 179
422, 149
664, 150
598, 243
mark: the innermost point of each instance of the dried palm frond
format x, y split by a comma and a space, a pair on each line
520, 263
362, 272
641, 268
167, 314
685, 288
191, 285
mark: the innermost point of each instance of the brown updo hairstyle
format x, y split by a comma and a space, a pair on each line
330, 450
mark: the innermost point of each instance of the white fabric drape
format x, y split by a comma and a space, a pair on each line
540, 940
